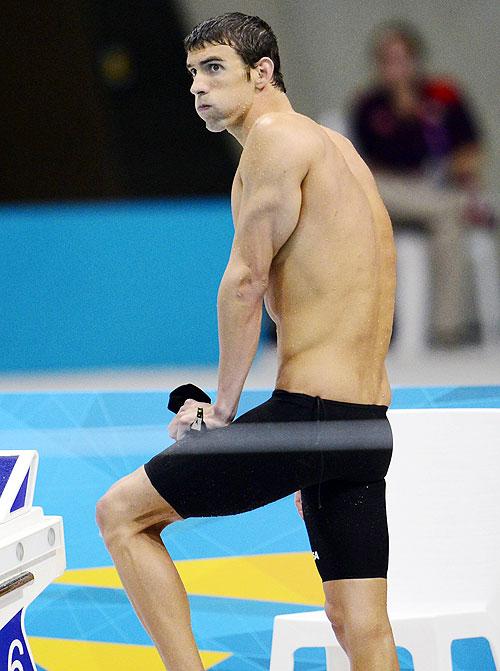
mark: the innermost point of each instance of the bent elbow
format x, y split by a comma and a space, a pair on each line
252, 289
246, 281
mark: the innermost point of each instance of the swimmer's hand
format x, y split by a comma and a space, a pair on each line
298, 503
213, 417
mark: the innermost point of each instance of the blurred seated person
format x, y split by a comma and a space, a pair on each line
418, 135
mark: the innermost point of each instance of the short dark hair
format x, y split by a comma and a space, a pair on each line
403, 31
250, 36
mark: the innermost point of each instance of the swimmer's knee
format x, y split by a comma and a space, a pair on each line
358, 626
335, 616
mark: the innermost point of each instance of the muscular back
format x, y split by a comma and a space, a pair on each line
331, 285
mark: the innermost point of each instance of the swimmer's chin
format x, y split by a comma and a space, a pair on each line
214, 128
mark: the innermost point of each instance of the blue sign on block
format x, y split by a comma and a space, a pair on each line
15, 654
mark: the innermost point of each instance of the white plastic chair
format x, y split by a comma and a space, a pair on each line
484, 255
413, 288
443, 508
412, 292
313, 630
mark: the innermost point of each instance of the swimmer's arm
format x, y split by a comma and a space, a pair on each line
272, 167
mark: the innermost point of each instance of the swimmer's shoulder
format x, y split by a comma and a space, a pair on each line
301, 128
289, 128
282, 135
291, 122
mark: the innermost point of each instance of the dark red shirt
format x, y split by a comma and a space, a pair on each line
403, 144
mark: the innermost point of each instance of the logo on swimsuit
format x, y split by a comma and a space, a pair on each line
315, 555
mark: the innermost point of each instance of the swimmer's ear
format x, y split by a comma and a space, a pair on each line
265, 70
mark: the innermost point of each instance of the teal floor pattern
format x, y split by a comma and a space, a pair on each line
88, 441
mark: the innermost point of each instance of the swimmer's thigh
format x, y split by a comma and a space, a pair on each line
207, 484
348, 534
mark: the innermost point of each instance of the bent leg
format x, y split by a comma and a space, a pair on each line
216, 473
131, 516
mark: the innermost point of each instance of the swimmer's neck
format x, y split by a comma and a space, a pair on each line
270, 99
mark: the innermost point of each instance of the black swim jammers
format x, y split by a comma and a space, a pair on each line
220, 472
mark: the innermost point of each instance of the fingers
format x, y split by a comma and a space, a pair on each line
179, 420
172, 429
177, 430
181, 423
187, 414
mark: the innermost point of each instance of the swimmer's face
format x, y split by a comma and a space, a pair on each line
220, 81
396, 64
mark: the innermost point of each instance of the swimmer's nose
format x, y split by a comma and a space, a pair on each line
197, 87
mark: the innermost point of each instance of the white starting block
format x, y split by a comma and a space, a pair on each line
32, 554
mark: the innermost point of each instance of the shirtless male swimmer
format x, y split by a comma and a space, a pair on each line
314, 241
